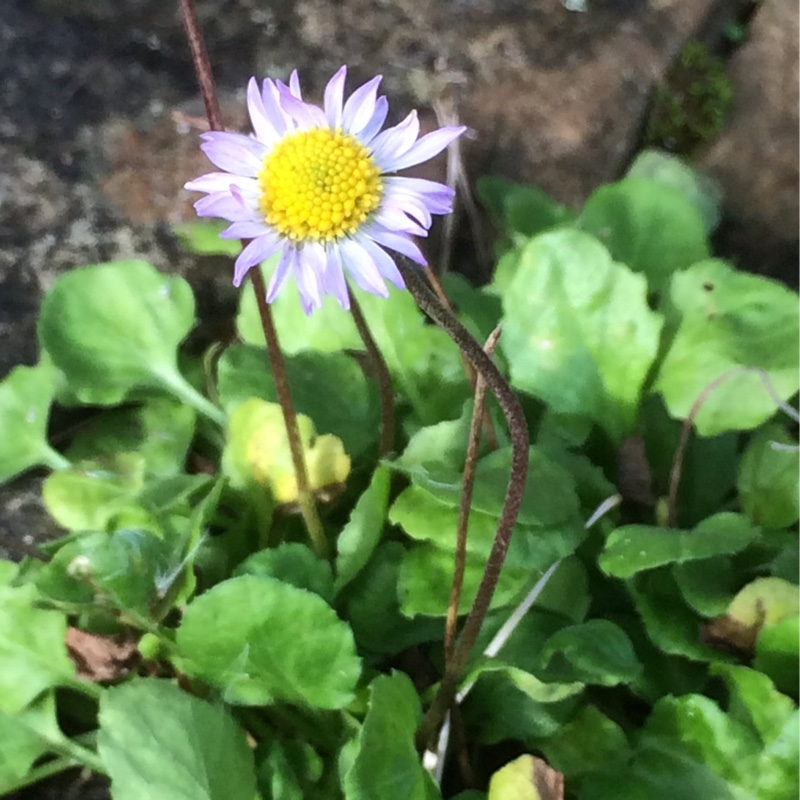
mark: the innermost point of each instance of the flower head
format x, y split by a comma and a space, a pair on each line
315, 185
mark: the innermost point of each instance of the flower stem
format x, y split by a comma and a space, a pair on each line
382, 375
520, 441
466, 501
305, 498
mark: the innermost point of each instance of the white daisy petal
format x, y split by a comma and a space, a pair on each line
277, 117
384, 262
360, 265
264, 130
371, 129
245, 229
222, 205
396, 241
411, 204
308, 281
335, 282
258, 250
360, 106
423, 149
334, 94
215, 182
395, 141
294, 84
395, 219
232, 152
282, 272
304, 114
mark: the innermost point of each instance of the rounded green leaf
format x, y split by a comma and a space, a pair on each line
260, 641
769, 484
634, 548
596, 651
113, 327
577, 331
157, 741
25, 397
648, 225
729, 321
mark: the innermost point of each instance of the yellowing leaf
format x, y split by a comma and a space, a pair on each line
258, 452
526, 778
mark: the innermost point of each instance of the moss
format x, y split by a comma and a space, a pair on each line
691, 106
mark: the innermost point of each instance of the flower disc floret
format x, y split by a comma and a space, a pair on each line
319, 184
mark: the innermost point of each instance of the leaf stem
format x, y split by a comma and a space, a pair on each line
305, 498
53, 459
46, 770
183, 390
382, 375
520, 441
466, 501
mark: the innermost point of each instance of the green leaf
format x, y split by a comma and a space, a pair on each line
360, 536
648, 225
386, 766
777, 653
526, 210
158, 741
707, 585
329, 388
88, 496
25, 397
769, 484
427, 573
425, 364
729, 320
292, 563
669, 170
589, 741
161, 429
289, 645
437, 446
634, 548
111, 328
517, 780
670, 624
32, 650
202, 237
577, 330
373, 606
21, 740
596, 652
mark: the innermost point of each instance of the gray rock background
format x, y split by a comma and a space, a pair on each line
99, 116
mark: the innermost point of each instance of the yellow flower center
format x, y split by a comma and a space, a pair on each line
319, 184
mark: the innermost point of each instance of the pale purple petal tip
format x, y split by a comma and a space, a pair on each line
427, 147
258, 250
334, 94
360, 106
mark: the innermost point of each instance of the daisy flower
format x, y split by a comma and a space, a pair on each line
316, 185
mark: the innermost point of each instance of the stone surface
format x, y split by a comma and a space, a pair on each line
755, 159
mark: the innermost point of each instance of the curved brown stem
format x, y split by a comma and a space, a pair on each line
520, 440
467, 485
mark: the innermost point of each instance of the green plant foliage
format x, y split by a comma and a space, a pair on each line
196, 750
183, 638
25, 397
201, 236
577, 330
112, 328
728, 322
652, 227
288, 646
385, 764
